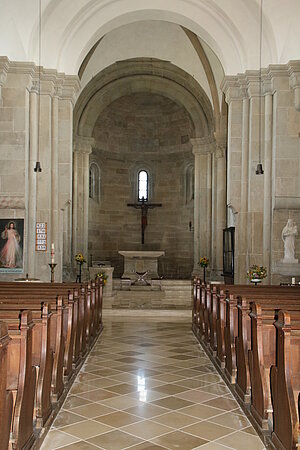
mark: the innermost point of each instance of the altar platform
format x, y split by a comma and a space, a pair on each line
140, 262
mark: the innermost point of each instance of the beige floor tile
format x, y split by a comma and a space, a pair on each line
92, 410
83, 377
202, 411
192, 383
114, 440
86, 429
123, 388
195, 396
208, 430
67, 418
168, 377
170, 389
147, 395
118, 419
121, 402
98, 395
72, 401
79, 445
212, 446
80, 388
147, 429
146, 446
222, 403
172, 403
242, 441
56, 438
146, 410
215, 389
178, 440
235, 421
176, 420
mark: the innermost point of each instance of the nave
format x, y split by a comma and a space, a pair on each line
148, 384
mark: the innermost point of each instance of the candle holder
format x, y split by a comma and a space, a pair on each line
78, 277
52, 267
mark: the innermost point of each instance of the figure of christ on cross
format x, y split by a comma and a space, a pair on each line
144, 206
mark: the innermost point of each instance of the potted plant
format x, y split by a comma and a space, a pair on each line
256, 274
204, 263
80, 259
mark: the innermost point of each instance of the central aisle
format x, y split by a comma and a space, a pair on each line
147, 384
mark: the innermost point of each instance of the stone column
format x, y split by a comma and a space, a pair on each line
32, 178
231, 87
267, 225
82, 150
55, 228
202, 148
243, 235
220, 207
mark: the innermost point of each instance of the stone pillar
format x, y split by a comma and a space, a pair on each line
243, 234
82, 150
32, 179
231, 87
202, 148
55, 229
220, 206
268, 175
255, 182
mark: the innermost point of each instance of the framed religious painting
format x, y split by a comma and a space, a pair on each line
11, 245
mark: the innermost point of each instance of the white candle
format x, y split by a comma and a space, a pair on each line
293, 280
52, 253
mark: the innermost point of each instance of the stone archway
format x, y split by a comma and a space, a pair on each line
163, 79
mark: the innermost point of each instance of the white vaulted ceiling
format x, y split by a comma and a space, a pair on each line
86, 36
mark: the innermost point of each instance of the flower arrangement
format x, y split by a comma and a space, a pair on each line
256, 272
102, 276
80, 258
204, 261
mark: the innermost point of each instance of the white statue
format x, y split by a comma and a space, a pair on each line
288, 236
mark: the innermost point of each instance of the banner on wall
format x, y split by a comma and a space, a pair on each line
11, 245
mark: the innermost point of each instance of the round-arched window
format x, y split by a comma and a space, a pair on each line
143, 185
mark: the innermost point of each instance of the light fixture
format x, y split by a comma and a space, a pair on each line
38, 167
259, 168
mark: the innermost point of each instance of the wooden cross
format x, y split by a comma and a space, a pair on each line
144, 206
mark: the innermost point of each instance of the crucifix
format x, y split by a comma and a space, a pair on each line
144, 206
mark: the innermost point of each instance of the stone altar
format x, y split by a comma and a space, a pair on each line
140, 261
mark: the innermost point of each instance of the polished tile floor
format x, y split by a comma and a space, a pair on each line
147, 384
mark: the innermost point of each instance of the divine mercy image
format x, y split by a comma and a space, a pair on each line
11, 245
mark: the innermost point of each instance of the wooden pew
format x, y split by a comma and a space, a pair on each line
42, 357
21, 380
6, 397
285, 384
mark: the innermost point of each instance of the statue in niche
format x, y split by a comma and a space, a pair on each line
288, 235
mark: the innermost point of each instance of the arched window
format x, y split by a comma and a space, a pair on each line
143, 185
189, 183
94, 182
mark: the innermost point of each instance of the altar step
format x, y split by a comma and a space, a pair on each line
170, 294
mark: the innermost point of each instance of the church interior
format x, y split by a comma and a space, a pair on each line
149, 205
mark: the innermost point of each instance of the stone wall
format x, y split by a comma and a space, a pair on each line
143, 131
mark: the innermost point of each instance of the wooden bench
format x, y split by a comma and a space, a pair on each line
6, 397
285, 384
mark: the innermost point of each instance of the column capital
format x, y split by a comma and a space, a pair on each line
83, 144
294, 74
231, 86
4, 67
203, 145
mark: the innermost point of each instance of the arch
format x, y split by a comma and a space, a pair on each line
143, 75
222, 28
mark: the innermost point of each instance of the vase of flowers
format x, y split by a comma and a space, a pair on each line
204, 263
102, 276
80, 259
256, 274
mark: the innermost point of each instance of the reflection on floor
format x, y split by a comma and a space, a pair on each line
147, 384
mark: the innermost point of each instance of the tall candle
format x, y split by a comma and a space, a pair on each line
52, 253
